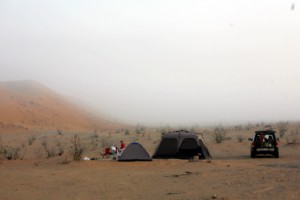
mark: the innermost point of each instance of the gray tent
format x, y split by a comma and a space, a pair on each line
181, 144
134, 152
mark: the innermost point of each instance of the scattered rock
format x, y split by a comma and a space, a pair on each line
178, 175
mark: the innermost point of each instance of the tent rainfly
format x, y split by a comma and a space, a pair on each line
183, 145
135, 152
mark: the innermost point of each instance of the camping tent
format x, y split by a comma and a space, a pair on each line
181, 144
134, 152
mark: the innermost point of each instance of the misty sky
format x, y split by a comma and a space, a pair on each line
160, 62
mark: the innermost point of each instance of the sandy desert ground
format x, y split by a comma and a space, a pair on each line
231, 174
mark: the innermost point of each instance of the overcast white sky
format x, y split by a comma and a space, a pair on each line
160, 62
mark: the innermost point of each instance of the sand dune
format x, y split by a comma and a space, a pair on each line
31, 105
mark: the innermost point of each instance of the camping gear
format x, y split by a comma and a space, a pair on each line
106, 153
181, 144
134, 152
109, 153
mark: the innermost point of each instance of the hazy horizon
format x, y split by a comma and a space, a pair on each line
160, 62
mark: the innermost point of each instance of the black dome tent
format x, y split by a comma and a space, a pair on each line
181, 144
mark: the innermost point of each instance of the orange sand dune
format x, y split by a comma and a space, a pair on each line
31, 105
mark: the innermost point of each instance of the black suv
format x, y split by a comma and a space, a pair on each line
263, 143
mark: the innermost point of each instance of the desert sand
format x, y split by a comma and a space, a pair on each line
230, 174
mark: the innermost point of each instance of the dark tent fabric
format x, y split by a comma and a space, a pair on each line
134, 152
181, 144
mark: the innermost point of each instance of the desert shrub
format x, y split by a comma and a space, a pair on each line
23, 151
293, 138
31, 139
282, 129
238, 127
51, 152
240, 138
45, 150
60, 151
44, 143
127, 132
13, 153
140, 130
1, 149
77, 148
2, 152
219, 134
165, 130
10, 153
60, 148
59, 132
94, 140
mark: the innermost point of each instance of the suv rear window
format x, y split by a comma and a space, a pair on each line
265, 140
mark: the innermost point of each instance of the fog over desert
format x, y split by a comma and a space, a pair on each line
155, 62
77, 77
